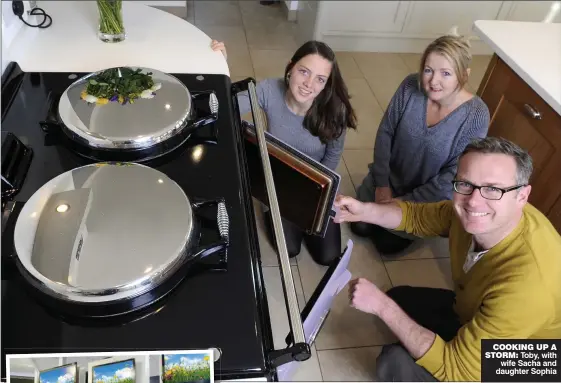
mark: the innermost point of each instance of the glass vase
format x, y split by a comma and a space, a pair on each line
111, 28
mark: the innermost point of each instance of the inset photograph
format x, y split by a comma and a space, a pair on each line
185, 366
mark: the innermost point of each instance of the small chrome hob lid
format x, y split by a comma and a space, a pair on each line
125, 108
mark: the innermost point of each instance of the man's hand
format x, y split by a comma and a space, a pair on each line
219, 46
366, 296
350, 209
387, 214
382, 194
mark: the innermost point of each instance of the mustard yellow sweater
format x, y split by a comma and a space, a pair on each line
513, 291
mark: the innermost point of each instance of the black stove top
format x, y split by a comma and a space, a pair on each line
226, 310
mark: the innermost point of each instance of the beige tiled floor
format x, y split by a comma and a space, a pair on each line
260, 41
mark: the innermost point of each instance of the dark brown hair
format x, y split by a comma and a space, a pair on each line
331, 112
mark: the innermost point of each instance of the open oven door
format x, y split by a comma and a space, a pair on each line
301, 190
305, 188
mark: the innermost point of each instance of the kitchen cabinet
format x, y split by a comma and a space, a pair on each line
409, 26
437, 17
365, 16
520, 115
532, 11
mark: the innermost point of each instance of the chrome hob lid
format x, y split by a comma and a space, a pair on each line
125, 108
104, 232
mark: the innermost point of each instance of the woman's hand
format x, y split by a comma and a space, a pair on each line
219, 46
350, 209
383, 194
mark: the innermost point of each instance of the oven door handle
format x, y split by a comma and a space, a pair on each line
300, 351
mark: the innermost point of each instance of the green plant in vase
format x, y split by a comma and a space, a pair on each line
111, 27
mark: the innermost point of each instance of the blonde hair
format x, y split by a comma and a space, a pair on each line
456, 49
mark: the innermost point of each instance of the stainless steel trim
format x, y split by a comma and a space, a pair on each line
290, 294
534, 113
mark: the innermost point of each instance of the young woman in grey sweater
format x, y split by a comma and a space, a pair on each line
310, 110
428, 123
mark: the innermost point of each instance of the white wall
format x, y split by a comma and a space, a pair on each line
11, 25
22, 367
155, 365
30, 367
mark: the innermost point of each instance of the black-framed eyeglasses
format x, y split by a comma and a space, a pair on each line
487, 192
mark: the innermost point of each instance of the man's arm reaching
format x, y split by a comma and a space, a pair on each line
414, 337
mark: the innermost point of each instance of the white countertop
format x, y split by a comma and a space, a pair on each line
155, 40
532, 50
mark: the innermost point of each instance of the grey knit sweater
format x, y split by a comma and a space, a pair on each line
288, 127
419, 162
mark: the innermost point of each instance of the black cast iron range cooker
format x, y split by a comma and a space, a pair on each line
220, 305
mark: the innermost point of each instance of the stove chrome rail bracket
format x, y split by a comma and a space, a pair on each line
300, 349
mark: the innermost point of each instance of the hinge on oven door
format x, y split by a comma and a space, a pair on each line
296, 353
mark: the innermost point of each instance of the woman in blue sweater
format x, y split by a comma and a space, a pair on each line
310, 110
428, 123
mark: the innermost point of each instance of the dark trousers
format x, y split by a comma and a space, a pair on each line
323, 250
429, 307
385, 242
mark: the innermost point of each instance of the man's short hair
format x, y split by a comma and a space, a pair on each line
499, 145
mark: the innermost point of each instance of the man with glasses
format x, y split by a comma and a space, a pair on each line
505, 257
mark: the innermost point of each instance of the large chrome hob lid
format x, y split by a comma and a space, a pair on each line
125, 108
104, 232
